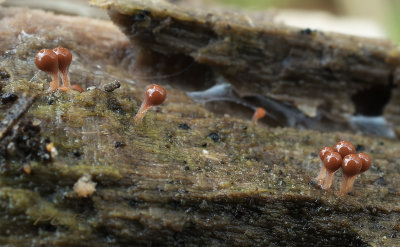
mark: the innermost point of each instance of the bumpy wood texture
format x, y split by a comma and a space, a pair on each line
329, 75
185, 176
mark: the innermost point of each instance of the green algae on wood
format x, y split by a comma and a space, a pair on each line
224, 181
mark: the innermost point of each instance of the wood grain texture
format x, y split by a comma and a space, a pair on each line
221, 182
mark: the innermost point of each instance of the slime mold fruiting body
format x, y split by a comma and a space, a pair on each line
64, 60
322, 154
344, 148
155, 95
366, 163
47, 61
332, 163
258, 113
351, 167
342, 155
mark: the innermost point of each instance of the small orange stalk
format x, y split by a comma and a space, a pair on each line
332, 162
351, 167
366, 163
322, 154
64, 60
155, 95
258, 113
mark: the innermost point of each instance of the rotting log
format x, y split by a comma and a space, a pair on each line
185, 176
333, 75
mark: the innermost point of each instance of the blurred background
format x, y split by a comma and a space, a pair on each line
370, 18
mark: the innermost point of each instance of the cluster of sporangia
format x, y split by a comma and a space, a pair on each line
342, 155
58, 60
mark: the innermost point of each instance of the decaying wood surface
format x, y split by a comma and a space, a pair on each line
319, 73
184, 177
16, 112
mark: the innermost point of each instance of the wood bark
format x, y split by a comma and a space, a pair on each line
185, 176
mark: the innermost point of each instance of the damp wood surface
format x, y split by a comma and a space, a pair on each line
185, 176
331, 74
